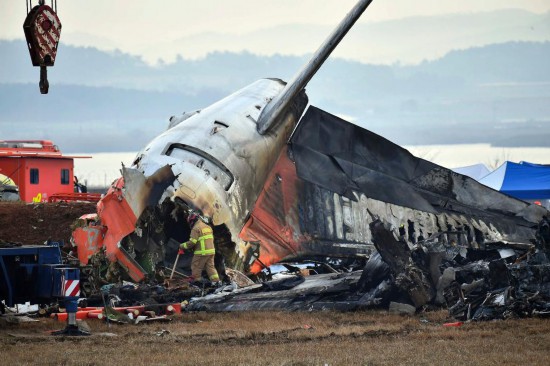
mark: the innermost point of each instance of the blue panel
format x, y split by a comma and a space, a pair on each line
527, 181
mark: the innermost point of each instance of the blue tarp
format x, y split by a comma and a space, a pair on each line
476, 171
523, 181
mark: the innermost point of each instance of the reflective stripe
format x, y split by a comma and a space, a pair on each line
203, 250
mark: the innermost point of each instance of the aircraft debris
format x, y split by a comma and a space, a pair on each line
405, 234
403, 309
381, 227
500, 281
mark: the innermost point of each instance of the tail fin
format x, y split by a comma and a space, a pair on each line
272, 112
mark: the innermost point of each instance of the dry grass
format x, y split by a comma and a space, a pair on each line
276, 338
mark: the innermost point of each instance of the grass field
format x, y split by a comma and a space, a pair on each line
277, 338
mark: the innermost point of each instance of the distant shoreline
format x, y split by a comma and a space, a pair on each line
103, 168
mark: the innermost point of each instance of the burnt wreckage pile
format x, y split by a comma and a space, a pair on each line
416, 236
496, 281
441, 238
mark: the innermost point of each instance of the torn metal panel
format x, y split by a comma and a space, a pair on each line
348, 160
375, 271
324, 291
141, 192
89, 235
516, 290
294, 219
296, 216
409, 275
118, 212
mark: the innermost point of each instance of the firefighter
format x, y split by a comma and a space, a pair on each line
201, 241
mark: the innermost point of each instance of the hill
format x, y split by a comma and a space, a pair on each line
498, 93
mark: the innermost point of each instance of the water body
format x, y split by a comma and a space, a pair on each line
103, 168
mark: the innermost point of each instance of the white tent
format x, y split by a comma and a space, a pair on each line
476, 171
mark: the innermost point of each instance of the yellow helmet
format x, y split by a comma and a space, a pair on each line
5, 180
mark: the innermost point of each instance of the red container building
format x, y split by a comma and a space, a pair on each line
38, 168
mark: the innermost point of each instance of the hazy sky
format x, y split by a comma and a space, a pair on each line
133, 26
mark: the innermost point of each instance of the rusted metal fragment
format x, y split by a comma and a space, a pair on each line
239, 278
90, 236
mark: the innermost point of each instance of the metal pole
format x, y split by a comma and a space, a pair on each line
272, 112
175, 264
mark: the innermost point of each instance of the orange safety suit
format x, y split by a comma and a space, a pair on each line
202, 241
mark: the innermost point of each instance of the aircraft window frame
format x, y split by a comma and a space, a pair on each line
203, 155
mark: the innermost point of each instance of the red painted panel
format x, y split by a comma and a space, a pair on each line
89, 239
117, 221
274, 222
12, 168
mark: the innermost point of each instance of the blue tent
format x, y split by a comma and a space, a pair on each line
524, 181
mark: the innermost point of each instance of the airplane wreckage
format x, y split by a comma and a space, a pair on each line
356, 221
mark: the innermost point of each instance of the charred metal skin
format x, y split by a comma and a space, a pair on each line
336, 178
219, 160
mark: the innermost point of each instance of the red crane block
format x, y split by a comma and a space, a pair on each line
42, 30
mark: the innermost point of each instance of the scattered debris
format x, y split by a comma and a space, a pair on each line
453, 324
399, 308
162, 333
13, 319
500, 280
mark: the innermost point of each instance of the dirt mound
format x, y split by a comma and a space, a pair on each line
34, 223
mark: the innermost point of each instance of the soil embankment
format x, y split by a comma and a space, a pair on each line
35, 223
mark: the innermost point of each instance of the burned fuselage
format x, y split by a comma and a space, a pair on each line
213, 161
317, 201
334, 179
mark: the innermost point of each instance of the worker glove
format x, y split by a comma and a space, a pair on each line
180, 251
